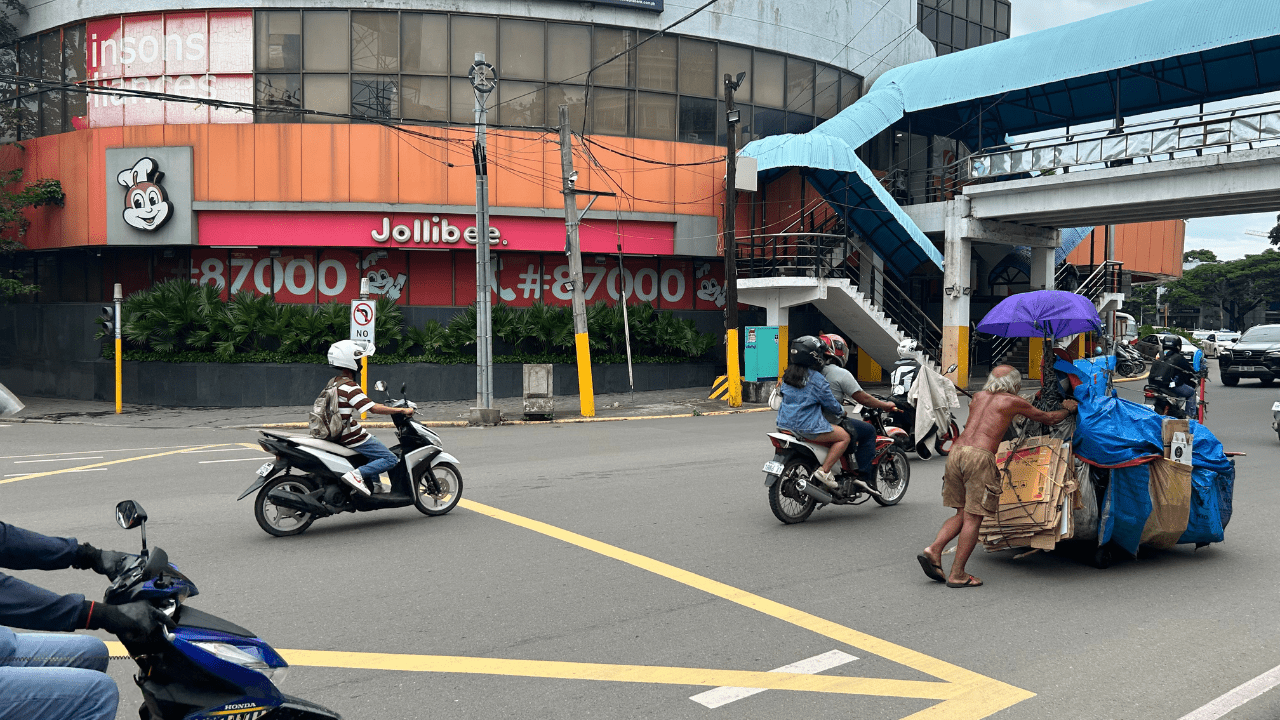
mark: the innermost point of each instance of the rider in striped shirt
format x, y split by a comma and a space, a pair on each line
346, 357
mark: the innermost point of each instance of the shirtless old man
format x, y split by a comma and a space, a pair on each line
971, 482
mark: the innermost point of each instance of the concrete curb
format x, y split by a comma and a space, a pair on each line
564, 421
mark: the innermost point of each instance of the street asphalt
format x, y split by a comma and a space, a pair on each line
654, 546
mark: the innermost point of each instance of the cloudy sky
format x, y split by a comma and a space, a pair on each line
1225, 235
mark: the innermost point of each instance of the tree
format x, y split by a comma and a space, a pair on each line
1141, 302
1235, 287
1274, 235
16, 195
1201, 255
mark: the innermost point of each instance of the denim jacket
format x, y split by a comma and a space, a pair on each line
802, 407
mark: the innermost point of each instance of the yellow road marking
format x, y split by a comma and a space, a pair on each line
104, 464
976, 696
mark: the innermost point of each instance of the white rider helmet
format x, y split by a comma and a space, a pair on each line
347, 354
906, 348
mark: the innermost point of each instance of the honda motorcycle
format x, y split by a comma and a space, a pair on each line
207, 668
304, 481
1164, 402
793, 496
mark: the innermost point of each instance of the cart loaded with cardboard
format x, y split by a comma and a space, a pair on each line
1113, 479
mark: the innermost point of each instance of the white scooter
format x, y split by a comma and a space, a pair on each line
304, 482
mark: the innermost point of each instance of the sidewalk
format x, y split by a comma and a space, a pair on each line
659, 403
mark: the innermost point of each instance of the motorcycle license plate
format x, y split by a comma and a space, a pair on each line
265, 469
773, 467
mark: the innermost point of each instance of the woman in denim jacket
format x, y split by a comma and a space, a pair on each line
805, 394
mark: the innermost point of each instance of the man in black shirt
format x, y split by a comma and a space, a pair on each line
51, 676
1172, 371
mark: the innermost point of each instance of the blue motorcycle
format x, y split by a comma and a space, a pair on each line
205, 668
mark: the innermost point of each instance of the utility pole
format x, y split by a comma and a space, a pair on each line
118, 297
732, 116
483, 80
586, 390
1111, 314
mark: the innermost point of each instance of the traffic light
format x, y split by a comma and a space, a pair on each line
108, 321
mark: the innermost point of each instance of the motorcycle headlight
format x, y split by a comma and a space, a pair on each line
246, 657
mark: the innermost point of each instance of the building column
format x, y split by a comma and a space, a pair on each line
1042, 276
957, 268
775, 313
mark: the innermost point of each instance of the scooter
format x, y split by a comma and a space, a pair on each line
1166, 403
304, 481
793, 496
1275, 418
901, 426
1129, 362
207, 668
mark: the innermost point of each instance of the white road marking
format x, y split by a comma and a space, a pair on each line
192, 452
70, 471
1237, 697
210, 462
83, 452
65, 459
814, 665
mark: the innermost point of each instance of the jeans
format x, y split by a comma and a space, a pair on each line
1184, 391
380, 459
863, 438
55, 677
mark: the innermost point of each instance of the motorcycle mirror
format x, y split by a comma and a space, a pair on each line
951, 369
380, 386
403, 386
130, 514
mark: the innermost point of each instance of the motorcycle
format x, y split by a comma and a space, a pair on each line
424, 476
1129, 362
1164, 402
206, 668
901, 427
793, 497
1275, 418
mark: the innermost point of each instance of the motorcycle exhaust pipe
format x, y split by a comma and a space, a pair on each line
814, 492
294, 501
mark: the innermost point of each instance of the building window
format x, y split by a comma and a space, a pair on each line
608, 43
375, 42
770, 74
425, 41
278, 92
425, 98
656, 65
470, 35
733, 60
325, 42
799, 86
698, 118
375, 96
523, 54
522, 104
279, 41
571, 56
697, 68
656, 116
327, 94
610, 111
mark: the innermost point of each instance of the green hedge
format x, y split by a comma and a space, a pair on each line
176, 321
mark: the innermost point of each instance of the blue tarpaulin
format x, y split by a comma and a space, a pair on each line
1124, 436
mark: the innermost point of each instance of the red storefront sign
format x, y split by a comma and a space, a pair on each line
427, 231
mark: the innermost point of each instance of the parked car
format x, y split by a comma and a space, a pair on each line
1227, 339
1208, 340
1255, 355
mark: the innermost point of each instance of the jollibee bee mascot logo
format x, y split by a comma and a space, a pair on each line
146, 205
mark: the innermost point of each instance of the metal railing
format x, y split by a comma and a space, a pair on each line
1219, 131
885, 295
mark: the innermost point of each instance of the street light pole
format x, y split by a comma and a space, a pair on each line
483, 81
732, 117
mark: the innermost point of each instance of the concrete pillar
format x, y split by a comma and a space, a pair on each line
957, 264
775, 313
1042, 272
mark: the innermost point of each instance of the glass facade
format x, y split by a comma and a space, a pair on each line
955, 25
58, 55
413, 66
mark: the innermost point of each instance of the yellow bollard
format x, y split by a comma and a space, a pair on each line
586, 390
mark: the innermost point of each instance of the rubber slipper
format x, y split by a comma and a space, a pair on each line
970, 583
933, 571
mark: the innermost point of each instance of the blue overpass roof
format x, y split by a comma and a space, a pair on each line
1159, 55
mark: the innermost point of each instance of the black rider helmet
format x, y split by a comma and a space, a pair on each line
806, 351
1171, 343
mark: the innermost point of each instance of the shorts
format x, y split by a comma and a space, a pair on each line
972, 481
810, 437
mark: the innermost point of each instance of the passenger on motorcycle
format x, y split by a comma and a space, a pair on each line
1172, 371
58, 676
846, 388
346, 356
805, 395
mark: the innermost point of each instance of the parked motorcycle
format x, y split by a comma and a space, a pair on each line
901, 426
1129, 362
207, 668
793, 498
304, 481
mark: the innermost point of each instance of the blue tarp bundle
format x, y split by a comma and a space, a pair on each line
1124, 436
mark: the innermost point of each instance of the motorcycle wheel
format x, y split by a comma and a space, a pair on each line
944, 442
279, 521
449, 481
788, 502
893, 474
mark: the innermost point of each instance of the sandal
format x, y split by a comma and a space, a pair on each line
972, 582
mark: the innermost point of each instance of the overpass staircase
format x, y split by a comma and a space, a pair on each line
826, 266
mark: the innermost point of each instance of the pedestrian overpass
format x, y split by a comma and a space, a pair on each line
1115, 119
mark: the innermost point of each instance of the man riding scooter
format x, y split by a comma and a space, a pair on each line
846, 388
1171, 372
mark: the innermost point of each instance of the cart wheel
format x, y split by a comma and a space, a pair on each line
1102, 558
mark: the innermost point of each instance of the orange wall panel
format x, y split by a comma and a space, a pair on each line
1153, 248
144, 136
197, 137
461, 183
100, 140
231, 162
654, 184
374, 164
73, 156
422, 169
326, 163
516, 173
277, 163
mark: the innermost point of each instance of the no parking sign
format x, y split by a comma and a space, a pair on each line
363, 313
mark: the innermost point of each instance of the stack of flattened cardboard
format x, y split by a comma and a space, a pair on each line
1039, 491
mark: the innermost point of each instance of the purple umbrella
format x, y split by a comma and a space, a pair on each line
1041, 313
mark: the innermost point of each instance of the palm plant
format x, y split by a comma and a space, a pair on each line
549, 327
164, 318
429, 339
461, 332
387, 324
505, 321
